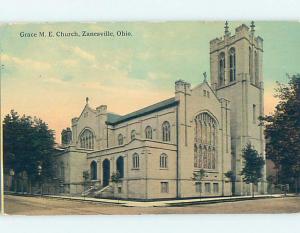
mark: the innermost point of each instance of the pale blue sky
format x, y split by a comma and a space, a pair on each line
50, 78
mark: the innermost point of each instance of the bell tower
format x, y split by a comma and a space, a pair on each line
236, 75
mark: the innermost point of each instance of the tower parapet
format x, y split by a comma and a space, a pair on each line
236, 57
102, 109
66, 137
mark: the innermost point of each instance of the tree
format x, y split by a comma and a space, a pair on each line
28, 144
231, 176
252, 171
283, 132
198, 177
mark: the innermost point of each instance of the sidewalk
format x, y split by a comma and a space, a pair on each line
177, 202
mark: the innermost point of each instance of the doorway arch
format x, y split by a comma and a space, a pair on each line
93, 170
120, 166
106, 172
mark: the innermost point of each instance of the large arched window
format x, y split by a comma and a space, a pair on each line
135, 161
87, 139
166, 132
221, 69
148, 132
93, 170
120, 139
232, 65
163, 161
205, 142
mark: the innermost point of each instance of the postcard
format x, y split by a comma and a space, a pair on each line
186, 117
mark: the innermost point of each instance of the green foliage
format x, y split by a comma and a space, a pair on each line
230, 175
198, 175
116, 178
27, 144
252, 171
283, 131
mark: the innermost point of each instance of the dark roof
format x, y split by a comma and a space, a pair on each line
113, 119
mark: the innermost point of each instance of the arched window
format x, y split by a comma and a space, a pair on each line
163, 161
135, 161
256, 68
166, 131
120, 139
132, 134
205, 143
221, 69
87, 139
232, 65
120, 166
148, 132
93, 170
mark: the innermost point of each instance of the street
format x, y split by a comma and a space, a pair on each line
21, 205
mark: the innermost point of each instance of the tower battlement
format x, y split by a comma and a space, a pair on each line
241, 32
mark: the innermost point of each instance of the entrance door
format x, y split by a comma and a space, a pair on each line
120, 166
106, 172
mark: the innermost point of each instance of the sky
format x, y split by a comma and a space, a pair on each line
51, 77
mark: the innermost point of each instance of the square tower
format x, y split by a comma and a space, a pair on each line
236, 75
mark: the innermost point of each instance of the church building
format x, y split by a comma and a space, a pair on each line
155, 151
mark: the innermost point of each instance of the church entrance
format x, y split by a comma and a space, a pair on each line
106, 172
120, 166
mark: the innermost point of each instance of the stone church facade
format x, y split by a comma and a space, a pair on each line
156, 149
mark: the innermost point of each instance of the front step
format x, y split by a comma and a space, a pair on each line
107, 191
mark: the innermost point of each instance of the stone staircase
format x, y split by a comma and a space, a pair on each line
98, 191
106, 191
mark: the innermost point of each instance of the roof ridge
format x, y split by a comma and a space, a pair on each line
143, 111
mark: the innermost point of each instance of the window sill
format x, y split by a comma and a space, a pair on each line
135, 168
163, 168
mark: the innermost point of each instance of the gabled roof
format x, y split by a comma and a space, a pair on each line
207, 84
113, 119
86, 107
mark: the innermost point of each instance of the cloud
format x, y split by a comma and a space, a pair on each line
26, 63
